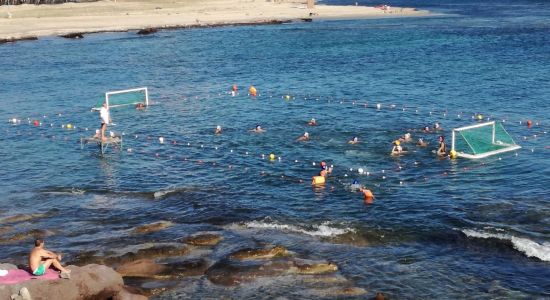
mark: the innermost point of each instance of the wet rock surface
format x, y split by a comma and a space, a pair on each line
277, 251
152, 227
203, 239
88, 282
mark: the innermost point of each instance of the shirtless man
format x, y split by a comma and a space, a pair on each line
41, 259
258, 129
304, 137
354, 141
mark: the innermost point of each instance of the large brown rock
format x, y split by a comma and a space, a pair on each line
88, 282
203, 239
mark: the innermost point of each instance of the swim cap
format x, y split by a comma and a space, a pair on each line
355, 181
306, 134
397, 143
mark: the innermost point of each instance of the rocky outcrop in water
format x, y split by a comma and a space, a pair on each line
88, 282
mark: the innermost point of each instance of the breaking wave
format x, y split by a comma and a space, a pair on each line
526, 246
325, 229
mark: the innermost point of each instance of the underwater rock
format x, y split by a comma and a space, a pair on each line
203, 239
22, 218
152, 227
147, 31
151, 269
225, 273
277, 251
314, 268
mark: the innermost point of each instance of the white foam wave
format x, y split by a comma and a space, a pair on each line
322, 230
528, 247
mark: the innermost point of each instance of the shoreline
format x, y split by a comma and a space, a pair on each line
72, 20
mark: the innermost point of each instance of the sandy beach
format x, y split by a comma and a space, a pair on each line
24, 21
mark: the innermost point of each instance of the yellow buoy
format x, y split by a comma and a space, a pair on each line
272, 156
69, 126
452, 154
480, 117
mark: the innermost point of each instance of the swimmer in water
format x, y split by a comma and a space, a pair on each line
325, 170
218, 130
397, 149
437, 127
355, 186
354, 141
312, 122
442, 149
406, 138
140, 106
421, 143
258, 129
304, 137
426, 129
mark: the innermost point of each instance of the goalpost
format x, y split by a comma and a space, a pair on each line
482, 140
125, 97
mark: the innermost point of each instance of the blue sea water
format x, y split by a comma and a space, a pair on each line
438, 228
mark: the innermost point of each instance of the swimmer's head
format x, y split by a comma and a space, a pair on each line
436, 125
426, 128
306, 134
397, 143
258, 127
441, 138
407, 135
355, 139
355, 181
218, 127
420, 140
312, 120
323, 165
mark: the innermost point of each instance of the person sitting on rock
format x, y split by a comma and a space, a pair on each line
41, 259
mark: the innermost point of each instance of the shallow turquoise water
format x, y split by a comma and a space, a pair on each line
437, 227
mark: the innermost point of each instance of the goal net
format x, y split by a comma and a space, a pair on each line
482, 140
125, 98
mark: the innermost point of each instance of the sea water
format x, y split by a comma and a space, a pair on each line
437, 228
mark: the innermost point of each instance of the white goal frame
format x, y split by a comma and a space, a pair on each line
508, 147
108, 94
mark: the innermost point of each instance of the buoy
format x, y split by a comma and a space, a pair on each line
378, 106
161, 140
480, 117
452, 154
287, 97
271, 156
367, 195
69, 126
252, 91
36, 123
529, 123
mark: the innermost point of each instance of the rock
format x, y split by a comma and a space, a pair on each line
31, 234
7, 267
23, 218
150, 269
339, 292
13, 40
204, 239
88, 282
148, 228
6, 229
147, 31
380, 296
148, 253
76, 35
314, 268
277, 251
225, 273
141, 268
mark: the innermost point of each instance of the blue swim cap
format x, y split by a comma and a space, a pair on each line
355, 181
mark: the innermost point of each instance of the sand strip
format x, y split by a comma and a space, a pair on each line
24, 21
